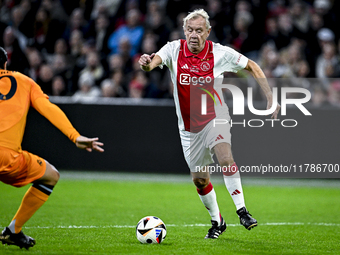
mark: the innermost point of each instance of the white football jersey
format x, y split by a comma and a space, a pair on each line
197, 97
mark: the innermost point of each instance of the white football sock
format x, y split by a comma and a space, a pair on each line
232, 181
208, 198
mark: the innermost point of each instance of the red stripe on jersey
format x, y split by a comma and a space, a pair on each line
195, 71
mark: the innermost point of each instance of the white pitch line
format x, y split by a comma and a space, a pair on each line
193, 225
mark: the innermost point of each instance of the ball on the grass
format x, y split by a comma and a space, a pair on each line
150, 229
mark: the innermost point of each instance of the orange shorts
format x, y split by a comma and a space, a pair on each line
20, 168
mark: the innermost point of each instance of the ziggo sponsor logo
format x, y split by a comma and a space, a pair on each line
187, 79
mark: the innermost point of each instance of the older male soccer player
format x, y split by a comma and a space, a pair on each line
194, 65
18, 167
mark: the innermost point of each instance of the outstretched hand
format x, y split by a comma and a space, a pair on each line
276, 112
83, 142
146, 59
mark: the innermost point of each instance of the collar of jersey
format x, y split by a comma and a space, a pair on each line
200, 55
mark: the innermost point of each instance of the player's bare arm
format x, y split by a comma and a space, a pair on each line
261, 79
149, 62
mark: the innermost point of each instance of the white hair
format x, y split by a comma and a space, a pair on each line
195, 14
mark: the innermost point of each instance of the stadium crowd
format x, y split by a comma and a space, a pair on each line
90, 48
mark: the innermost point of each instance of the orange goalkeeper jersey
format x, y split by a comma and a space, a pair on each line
17, 93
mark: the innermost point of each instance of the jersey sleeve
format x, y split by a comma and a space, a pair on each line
56, 116
36, 91
233, 60
165, 54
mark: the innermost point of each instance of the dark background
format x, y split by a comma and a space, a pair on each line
146, 139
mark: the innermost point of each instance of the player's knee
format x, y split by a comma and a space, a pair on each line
226, 161
56, 175
52, 175
201, 183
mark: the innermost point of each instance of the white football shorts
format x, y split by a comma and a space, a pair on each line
198, 147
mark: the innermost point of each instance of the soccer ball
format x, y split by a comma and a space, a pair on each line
150, 229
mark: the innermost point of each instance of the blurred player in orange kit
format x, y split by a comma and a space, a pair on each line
17, 167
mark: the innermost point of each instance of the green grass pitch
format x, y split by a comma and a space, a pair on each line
85, 216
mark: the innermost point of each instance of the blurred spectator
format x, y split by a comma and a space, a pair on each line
110, 89
179, 24
173, 7
35, 61
276, 7
17, 15
334, 93
76, 22
157, 23
269, 58
327, 64
44, 33
59, 65
80, 61
116, 62
291, 59
319, 96
109, 7
41, 23
159, 28
218, 20
285, 31
17, 60
300, 16
124, 52
303, 69
272, 32
99, 31
58, 86
175, 35
2, 29
149, 45
132, 31
245, 40
56, 11
138, 84
76, 43
324, 9
120, 83
94, 67
45, 79
5, 11
325, 36
87, 88
313, 49
27, 12
60, 48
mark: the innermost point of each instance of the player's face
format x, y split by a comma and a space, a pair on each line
196, 34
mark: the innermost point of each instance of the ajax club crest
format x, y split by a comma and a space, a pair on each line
205, 66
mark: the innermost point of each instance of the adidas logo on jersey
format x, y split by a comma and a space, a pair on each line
185, 66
